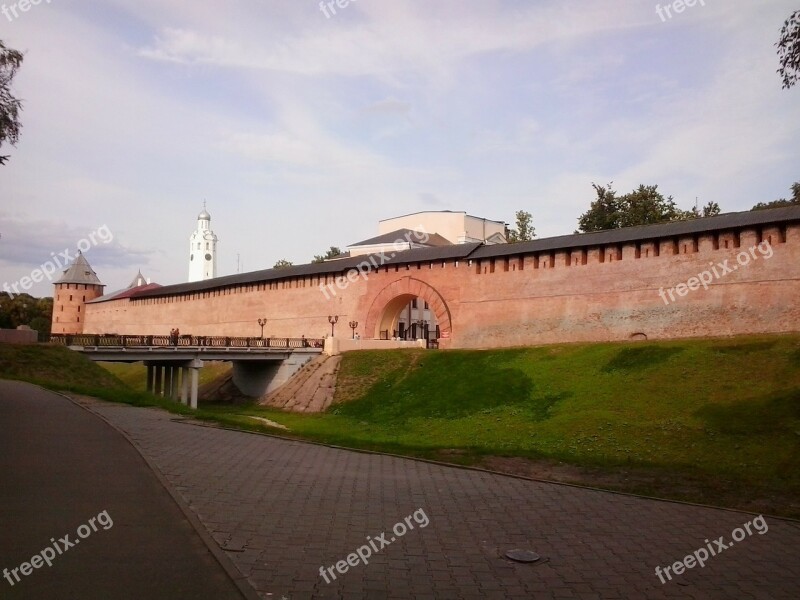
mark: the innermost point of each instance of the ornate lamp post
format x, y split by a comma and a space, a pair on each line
262, 322
333, 321
353, 325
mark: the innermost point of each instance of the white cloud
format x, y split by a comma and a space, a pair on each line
137, 110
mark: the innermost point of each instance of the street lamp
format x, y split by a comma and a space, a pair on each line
353, 325
333, 321
262, 322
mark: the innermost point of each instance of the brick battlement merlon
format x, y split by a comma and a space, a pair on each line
728, 222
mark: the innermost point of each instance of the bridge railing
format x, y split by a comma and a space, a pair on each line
183, 341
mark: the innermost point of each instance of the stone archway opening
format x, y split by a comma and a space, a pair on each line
408, 317
393, 313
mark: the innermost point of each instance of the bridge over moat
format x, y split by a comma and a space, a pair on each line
260, 365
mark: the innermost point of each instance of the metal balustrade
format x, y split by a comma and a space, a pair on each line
183, 341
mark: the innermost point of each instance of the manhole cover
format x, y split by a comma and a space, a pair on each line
523, 556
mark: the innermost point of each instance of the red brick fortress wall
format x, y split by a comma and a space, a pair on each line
694, 285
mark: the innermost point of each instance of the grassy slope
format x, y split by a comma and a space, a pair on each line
713, 419
717, 421
58, 368
45, 364
730, 405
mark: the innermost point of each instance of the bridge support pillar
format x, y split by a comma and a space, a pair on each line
176, 379
159, 374
195, 366
184, 385
150, 378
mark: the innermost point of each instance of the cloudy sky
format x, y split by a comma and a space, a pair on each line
302, 130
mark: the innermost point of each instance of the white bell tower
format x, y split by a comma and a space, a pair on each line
203, 249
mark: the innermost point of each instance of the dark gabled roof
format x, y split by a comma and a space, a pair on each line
478, 250
645, 232
334, 267
79, 272
129, 292
405, 236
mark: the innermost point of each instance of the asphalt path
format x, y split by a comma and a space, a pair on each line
76, 493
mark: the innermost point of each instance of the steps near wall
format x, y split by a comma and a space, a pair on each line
310, 390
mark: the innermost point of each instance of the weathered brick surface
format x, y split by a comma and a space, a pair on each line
555, 297
285, 508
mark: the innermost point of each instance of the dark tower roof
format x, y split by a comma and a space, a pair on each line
79, 272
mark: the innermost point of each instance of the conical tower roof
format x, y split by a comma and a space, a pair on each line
79, 272
139, 280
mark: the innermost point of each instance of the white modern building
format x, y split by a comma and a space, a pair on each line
426, 229
456, 227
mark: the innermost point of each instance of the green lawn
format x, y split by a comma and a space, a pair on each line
728, 406
715, 421
709, 420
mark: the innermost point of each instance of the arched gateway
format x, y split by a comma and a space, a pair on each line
391, 300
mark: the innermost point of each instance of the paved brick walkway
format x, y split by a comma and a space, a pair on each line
285, 508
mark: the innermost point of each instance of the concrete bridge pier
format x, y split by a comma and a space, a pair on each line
184, 385
151, 376
158, 378
177, 381
195, 367
168, 370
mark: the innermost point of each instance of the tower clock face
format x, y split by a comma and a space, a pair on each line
208, 256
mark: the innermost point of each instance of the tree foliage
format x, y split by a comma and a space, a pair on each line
604, 213
795, 199
789, 50
711, 209
24, 309
10, 106
282, 264
643, 206
524, 230
332, 252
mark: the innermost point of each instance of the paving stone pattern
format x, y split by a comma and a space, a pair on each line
282, 509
